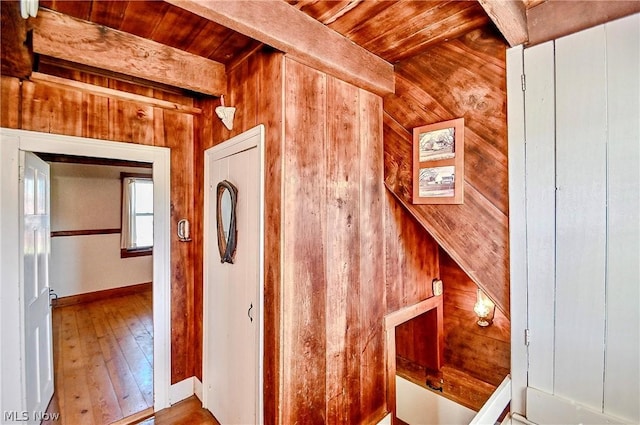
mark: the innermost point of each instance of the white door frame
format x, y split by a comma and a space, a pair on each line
517, 229
247, 140
12, 388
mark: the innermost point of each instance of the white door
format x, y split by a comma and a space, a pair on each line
577, 207
233, 291
37, 312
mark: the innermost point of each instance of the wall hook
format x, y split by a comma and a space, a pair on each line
226, 114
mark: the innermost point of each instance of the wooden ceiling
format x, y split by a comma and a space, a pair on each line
397, 30
393, 30
385, 32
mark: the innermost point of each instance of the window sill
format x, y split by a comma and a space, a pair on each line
141, 252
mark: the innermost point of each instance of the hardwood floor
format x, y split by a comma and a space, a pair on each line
187, 412
103, 354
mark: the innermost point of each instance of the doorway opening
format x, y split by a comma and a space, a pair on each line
14, 141
101, 271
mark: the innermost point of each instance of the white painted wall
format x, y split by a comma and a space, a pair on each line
81, 264
85, 197
580, 274
416, 405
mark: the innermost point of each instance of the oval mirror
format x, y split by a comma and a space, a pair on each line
227, 195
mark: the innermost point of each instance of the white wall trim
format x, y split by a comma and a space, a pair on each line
12, 140
517, 228
386, 420
197, 388
185, 389
551, 409
182, 390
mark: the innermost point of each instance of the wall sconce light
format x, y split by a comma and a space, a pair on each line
484, 308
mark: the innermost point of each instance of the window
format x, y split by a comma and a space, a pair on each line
137, 215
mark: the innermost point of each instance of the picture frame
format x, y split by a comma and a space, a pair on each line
438, 163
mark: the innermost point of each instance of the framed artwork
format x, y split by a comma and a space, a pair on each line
438, 163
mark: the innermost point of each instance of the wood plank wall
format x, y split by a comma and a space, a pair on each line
40, 107
255, 90
331, 301
483, 353
322, 190
333, 279
411, 258
464, 77
324, 217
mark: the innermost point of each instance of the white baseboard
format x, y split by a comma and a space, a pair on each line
182, 390
386, 420
544, 408
197, 388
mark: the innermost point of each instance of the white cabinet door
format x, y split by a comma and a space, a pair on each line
232, 310
37, 312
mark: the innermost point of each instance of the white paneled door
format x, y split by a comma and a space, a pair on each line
233, 291
36, 253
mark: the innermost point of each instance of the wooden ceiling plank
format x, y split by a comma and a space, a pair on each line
109, 13
83, 42
460, 18
247, 52
207, 41
325, 11
401, 18
345, 8
178, 28
282, 26
78, 9
359, 17
142, 17
112, 93
510, 17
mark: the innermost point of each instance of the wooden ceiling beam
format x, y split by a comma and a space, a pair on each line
282, 26
64, 37
510, 17
554, 19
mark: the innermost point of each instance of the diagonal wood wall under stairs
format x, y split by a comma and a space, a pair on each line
465, 77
